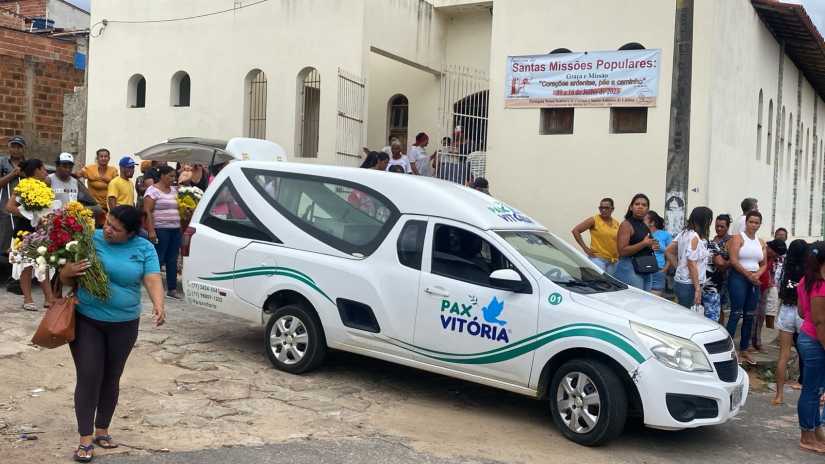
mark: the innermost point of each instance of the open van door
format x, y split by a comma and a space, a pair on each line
211, 152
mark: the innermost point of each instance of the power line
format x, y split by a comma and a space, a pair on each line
106, 22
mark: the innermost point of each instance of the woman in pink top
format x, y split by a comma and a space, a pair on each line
160, 203
811, 300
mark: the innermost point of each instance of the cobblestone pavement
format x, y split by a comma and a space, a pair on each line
202, 382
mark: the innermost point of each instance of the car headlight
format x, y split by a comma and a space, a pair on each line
672, 351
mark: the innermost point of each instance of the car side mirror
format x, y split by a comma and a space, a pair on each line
507, 279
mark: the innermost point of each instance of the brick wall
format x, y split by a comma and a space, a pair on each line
35, 73
9, 18
27, 8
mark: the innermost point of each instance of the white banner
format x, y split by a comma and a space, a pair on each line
611, 78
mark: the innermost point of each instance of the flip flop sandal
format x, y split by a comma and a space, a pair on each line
105, 442
88, 449
30, 306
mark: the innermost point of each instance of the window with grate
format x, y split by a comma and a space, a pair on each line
628, 120
255, 104
554, 121
136, 92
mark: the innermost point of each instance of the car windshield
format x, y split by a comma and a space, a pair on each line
559, 263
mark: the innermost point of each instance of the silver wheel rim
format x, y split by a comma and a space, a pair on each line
578, 402
289, 340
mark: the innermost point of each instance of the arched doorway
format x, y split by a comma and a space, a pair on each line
398, 110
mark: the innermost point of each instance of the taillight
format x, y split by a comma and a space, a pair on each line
186, 240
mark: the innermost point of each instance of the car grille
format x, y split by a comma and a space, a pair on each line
727, 370
720, 346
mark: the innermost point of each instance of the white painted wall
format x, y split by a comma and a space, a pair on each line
735, 56
559, 179
281, 38
67, 16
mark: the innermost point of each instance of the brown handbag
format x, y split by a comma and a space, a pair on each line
57, 327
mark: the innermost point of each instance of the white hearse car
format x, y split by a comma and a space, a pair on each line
436, 276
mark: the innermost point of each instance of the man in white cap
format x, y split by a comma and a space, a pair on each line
64, 185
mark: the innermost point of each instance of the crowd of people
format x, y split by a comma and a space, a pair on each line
450, 162
762, 283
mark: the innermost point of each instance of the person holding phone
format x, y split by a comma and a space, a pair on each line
636, 246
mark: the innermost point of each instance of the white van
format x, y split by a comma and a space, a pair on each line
436, 276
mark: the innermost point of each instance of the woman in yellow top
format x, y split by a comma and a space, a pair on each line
98, 177
603, 251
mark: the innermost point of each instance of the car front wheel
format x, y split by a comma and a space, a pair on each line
588, 402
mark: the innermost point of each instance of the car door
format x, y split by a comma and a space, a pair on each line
464, 321
220, 275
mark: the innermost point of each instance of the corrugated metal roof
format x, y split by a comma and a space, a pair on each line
804, 45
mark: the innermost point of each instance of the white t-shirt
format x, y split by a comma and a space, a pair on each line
421, 159
738, 226
403, 161
685, 253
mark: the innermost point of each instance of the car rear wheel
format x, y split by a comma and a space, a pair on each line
294, 339
588, 402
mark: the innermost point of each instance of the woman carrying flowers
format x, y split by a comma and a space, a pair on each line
32, 198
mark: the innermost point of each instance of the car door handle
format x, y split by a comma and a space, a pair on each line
437, 291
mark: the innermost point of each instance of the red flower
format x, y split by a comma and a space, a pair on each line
71, 221
77, 227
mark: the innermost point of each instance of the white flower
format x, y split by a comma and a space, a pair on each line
42, 269
71, 246
42, 250
61, 261
41, 261
53, 259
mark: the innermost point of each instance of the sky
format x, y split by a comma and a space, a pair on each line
815, 9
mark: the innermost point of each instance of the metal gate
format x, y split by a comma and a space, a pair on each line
350, 127
309, 111
462, 153
256, 124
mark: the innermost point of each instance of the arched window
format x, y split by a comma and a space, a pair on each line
255, 104
180, 89
806, 156
398, 115
770, 131
789, 153
759, 128
136, 92
308, 113
780, 155
632, 46
560, 50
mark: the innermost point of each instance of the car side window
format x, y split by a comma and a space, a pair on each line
463, 255
411, 243
342, 214
228, 214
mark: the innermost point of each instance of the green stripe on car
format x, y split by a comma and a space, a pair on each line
268, 272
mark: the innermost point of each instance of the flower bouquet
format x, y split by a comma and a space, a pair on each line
65, 235
188, 199
34, 197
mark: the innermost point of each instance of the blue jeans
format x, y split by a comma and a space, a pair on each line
684, 293
808, 409
168, 247
744, 297
604, 264
658, 281
626, 273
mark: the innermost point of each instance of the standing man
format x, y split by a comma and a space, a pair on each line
9, 177
748, 205
781, 234
98, 176
399, 159
418, 156
121, 191
62, 183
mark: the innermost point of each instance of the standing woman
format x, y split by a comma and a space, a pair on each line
747, 259
105, 331
635, 245
656, 225
811, 300
719, 263
603, 231
98, 176
160, 204
789, 321
24, 267
691, 252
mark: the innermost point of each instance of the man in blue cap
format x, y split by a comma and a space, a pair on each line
121, 190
